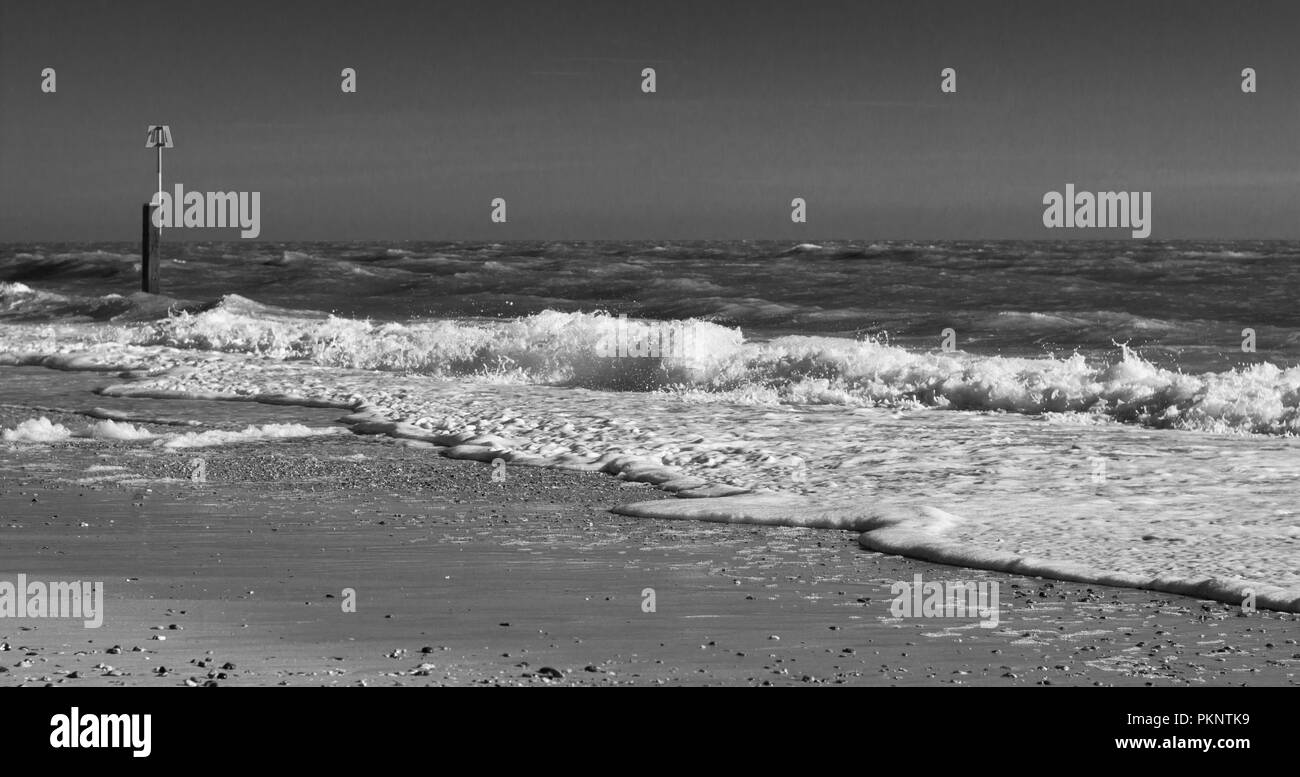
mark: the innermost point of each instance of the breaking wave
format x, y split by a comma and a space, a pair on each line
703, 358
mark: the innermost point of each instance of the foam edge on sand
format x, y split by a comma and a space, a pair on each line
916, 531
913, 531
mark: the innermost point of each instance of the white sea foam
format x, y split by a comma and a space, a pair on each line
247, 434
37, 430
114, 430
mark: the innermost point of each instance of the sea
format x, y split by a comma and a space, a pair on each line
1117, 410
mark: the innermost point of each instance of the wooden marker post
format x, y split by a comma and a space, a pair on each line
160, 137
150, 238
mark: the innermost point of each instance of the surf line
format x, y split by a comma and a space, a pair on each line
1103, 210
901, 529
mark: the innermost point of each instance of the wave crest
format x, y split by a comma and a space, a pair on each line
548, 347
708, 362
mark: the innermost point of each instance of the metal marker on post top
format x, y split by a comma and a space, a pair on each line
160, 137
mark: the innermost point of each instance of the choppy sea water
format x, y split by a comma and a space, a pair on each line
1085, 403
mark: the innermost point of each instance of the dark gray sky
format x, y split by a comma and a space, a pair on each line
540, 103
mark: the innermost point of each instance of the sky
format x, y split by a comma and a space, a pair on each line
540, 103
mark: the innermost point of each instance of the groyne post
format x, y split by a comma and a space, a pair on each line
159, 137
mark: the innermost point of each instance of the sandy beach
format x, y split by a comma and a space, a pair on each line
463, 579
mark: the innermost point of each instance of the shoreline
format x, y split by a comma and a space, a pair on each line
250, 568
917, 532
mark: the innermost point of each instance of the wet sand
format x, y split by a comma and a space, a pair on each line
461, 579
